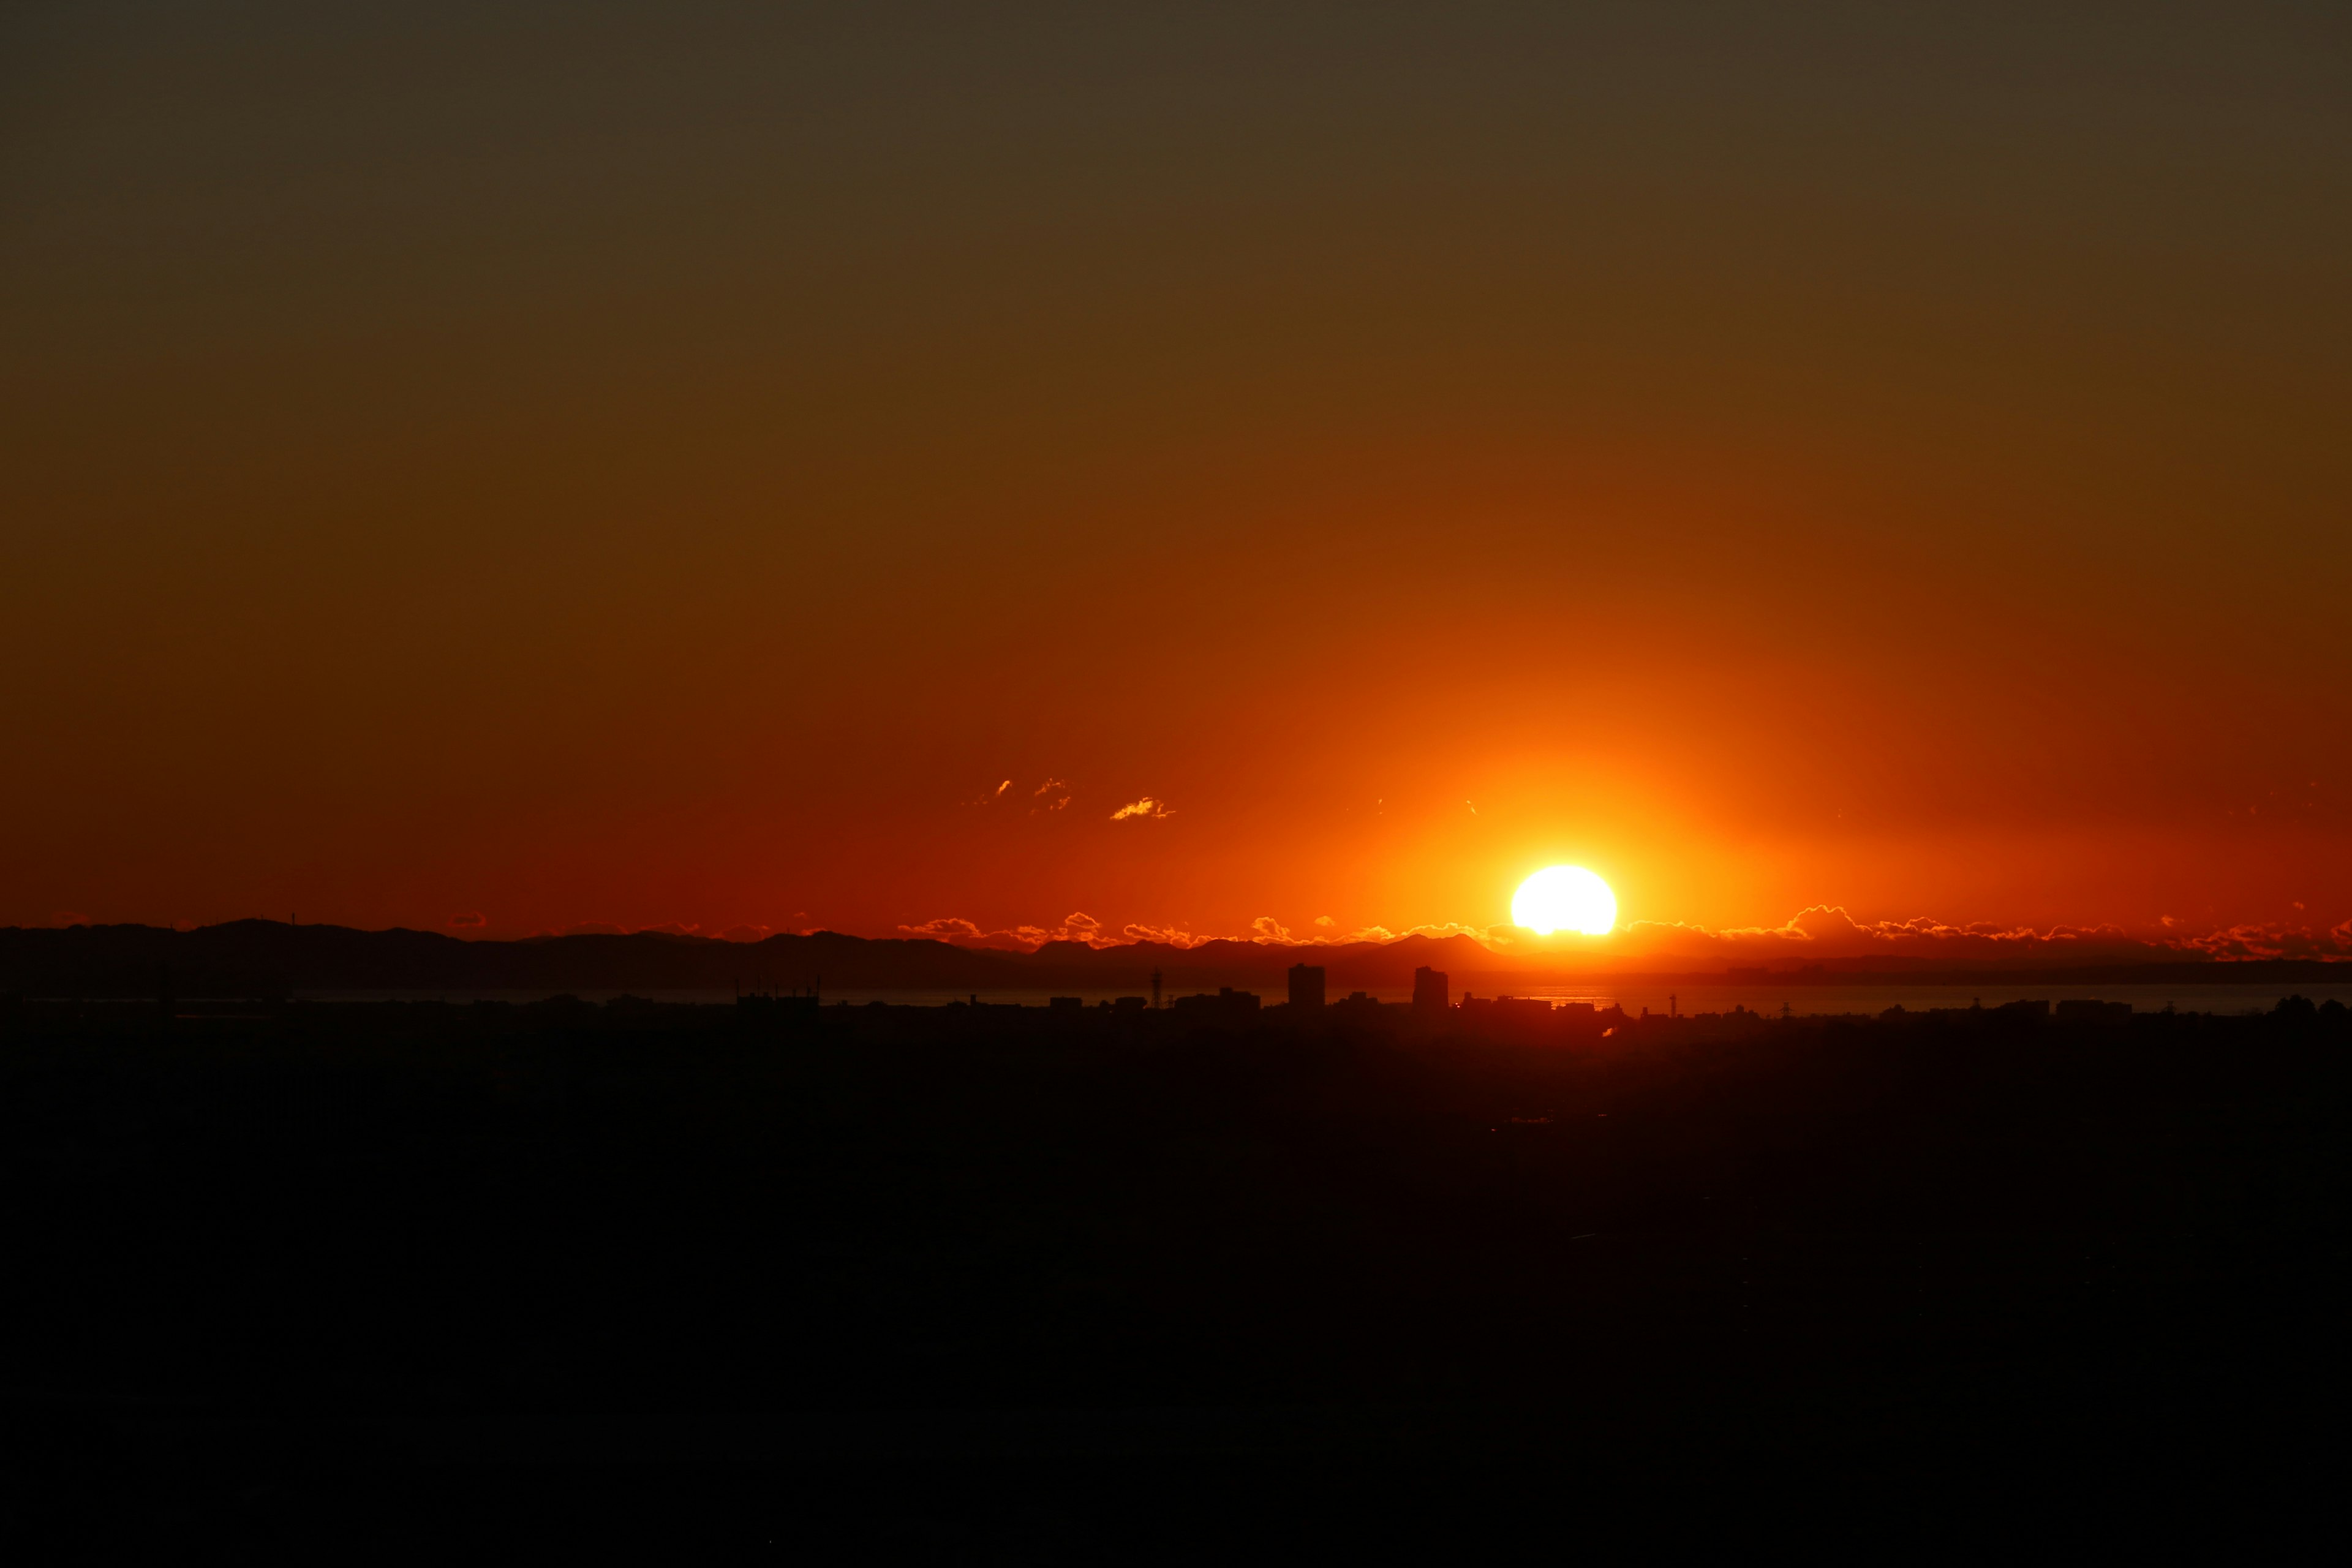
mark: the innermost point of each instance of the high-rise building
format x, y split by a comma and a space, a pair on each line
1429, 995
1307, 985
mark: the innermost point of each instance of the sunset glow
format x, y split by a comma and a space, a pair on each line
1565, 897
921, 510
1113, 781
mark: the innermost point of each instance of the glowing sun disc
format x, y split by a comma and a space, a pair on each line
1564, 897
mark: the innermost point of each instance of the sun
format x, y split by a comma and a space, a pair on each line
1564, 897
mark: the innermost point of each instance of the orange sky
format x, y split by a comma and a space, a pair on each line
670, 464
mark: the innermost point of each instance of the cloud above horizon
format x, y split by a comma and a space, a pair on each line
1167, 936
1817, 933
1076, 926
1821, 932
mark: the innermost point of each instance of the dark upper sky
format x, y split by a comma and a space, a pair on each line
667, 463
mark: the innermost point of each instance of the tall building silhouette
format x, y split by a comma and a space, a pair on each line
1428, 990
1307, 985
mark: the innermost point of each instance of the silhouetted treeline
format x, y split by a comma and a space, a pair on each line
1396, 1262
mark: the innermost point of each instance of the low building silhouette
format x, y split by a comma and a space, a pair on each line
768, 1011
1228, 1005
1535, 1019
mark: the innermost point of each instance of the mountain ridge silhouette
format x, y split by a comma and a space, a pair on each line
257, 958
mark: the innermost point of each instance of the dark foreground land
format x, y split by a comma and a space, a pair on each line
1000, 1284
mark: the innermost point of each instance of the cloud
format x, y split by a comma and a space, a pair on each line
1145, 810
1817, 933
1829, 931
746, 933
947, 928
1269, 930
1173, 936
1077, 926
1492, 936
64, 917
1824, 931
1487, 936
1081, 927
2251, 941
1048, 787
995, 794
472, 920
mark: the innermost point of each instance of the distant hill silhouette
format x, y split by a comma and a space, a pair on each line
264, 958
271, 958
261, 958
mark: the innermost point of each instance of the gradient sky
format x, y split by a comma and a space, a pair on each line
672, 463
